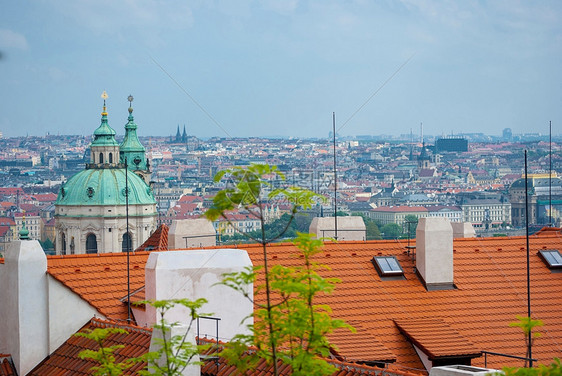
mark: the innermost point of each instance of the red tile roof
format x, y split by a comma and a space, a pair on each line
7, 366
100, 279
489, 274
436, 338
158, 241
65, 360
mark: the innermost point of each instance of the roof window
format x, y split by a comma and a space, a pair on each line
387, 266
552, 258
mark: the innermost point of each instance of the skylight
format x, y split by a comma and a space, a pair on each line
387, 266
552, 258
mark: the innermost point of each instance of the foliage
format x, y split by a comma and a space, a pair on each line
175, 352
292, 322
527, 324
299, 325
413, 225
554, 369
372, 228
391, 231
104, 355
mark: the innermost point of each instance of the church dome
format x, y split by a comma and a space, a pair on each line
104, 187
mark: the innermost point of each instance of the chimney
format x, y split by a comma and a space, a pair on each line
196, 274
191, 233
23, 308
349, 228
463, 230
434, 253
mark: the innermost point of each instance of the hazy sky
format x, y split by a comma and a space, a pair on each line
262, 68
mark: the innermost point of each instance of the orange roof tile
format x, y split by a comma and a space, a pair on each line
100, 279
436, 338
65, 360
489, 274
158, 241
7, 366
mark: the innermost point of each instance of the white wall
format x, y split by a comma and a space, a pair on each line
25, 319
194, 274
68, 312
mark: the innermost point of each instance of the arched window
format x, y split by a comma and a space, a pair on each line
127, 242
63, 242
91, 244
110, 157
101, 157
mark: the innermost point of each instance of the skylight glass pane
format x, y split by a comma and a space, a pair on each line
387, 266
552, 258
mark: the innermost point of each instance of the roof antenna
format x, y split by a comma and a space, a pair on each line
128, 244
335, 180
550, 175
529, 339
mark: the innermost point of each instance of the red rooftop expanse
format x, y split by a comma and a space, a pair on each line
489, 275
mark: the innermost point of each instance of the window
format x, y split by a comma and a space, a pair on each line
126, 243
387, 266
101, 157
552, 258
91, 244
110, 157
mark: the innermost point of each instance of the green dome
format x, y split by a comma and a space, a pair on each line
104, 135
104, 186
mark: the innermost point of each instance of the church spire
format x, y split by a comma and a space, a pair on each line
131, 148
104, 148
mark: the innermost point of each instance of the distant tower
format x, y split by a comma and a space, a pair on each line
507, 134
423, 159
184, 135
132, 149
178, 134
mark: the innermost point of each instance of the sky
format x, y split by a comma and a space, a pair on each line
239, 68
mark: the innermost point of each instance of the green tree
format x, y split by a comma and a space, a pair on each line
175, 352
246, 188
410, 225
391, 231
104, 355
527, 325
299, 324
372, 229
289, 327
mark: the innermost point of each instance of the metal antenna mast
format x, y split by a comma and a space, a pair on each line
335, 180
550, 175
128, 244
529, 343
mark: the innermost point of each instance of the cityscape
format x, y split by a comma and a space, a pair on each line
473, 178
281, 188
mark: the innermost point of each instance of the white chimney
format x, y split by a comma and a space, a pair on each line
191, 233
463, 230
196, 274
23, 305
434, 253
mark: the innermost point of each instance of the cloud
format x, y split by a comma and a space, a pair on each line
11, 39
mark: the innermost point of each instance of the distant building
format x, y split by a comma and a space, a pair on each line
453, 144
542, 191
91, 208
485, 209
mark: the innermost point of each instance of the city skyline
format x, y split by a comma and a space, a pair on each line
280, 68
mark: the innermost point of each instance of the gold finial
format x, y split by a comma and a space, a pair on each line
104, 96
